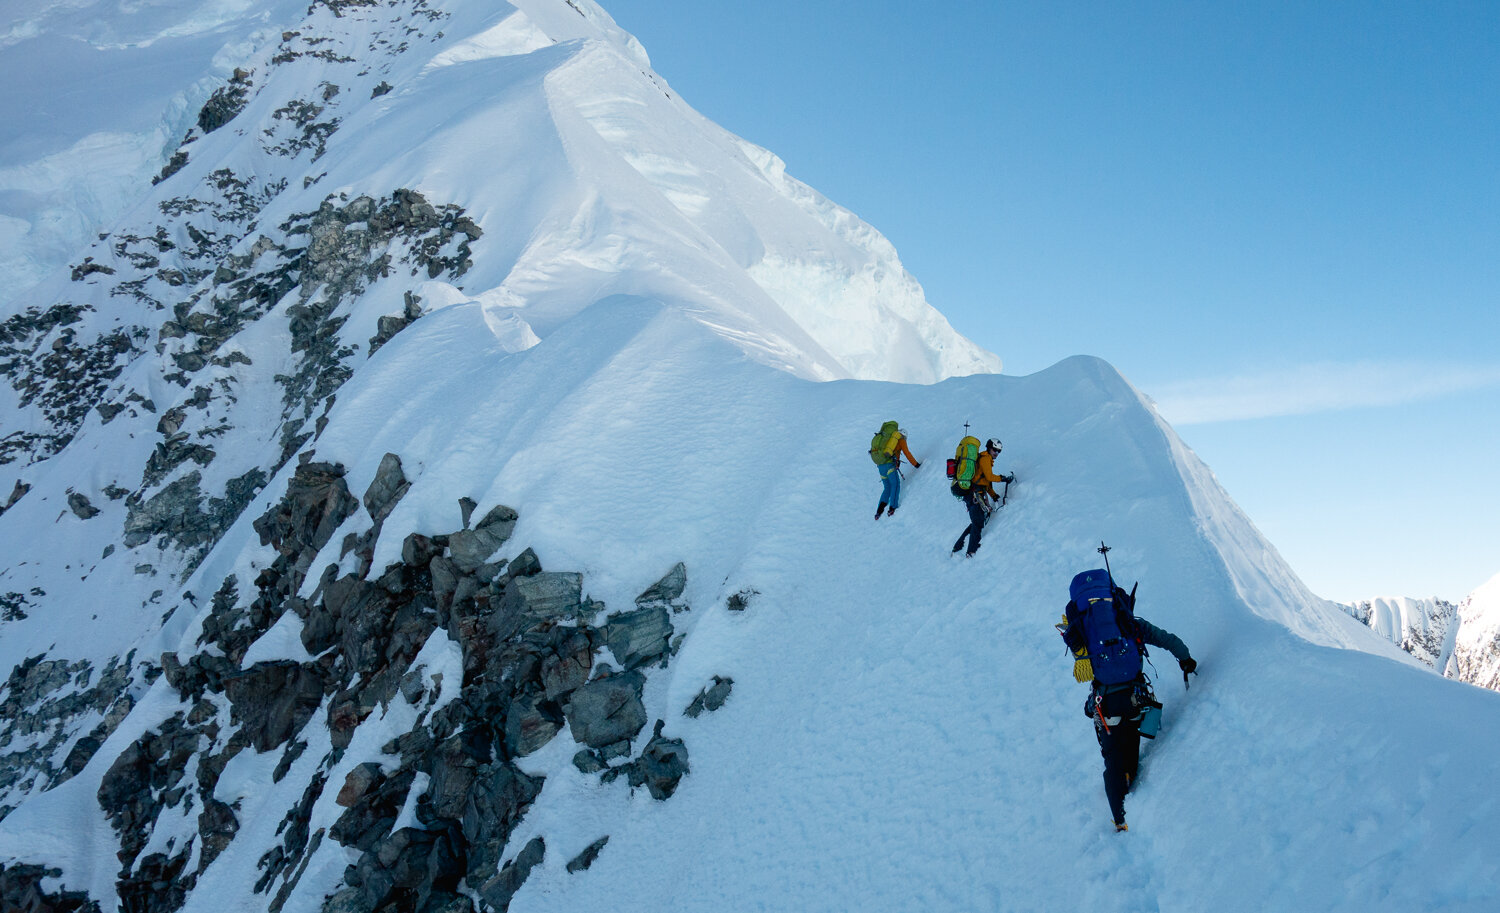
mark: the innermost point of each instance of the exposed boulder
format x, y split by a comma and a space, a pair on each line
639, 637
471, 548
586, 858
387, 488
710, 698
607, 710
661, 765
79, 504
666, 591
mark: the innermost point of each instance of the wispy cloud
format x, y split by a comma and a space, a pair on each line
1316, 388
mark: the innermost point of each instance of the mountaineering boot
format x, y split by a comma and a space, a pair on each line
879, 510
890, 511
1121, 826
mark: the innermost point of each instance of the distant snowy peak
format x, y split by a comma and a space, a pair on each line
1460, 641
1425, 628
1476, 651
588, 175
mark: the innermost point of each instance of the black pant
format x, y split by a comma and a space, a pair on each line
977, 516
1120, 744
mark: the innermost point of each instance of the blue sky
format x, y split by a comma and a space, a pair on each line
1281, 220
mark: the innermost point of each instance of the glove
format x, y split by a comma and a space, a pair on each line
1009, 479
1188, 665
915, 465
1083, 670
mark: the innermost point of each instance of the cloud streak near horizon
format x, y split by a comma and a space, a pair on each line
1322, 387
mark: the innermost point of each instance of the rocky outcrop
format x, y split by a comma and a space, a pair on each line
1460, 641
49, 702
22, 891
439, 811
1422, 627
227, 102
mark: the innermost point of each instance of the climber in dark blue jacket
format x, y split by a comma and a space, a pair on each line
1108, 642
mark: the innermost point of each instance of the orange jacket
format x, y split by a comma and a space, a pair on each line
901, 448
984, 473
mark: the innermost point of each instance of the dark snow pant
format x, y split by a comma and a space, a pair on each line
977, 517
1120, 743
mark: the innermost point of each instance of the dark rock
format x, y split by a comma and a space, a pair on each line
367, 822
710, 698
565, 665
217, 826
80, 505
155, 886
586, 858
226, 102
639, 637
738, 602
143, 779
526, 564
540, 597
15, 495
317, 502
466, 509
607, 710
273, 700
667, 590
587, 762
529, 724
21, 891
471, 548
418, 550
615, 750
387, 489
501, 795
358, 782
498, 891
453, 773
660, 766
293, 751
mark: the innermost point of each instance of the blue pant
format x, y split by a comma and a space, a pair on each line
890, 474
977, 516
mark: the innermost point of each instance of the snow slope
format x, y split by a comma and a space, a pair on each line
903, 731
663, 351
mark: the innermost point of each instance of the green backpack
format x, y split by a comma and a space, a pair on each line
965, 460
883, 445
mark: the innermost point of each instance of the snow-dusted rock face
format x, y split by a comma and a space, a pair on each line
1425, 628
1460, 641
1476, 649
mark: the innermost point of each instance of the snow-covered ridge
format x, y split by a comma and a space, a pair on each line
429, 498
813, 289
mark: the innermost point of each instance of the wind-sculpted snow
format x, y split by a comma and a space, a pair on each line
445, 489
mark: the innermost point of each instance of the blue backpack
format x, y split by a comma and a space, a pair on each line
1104, 617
